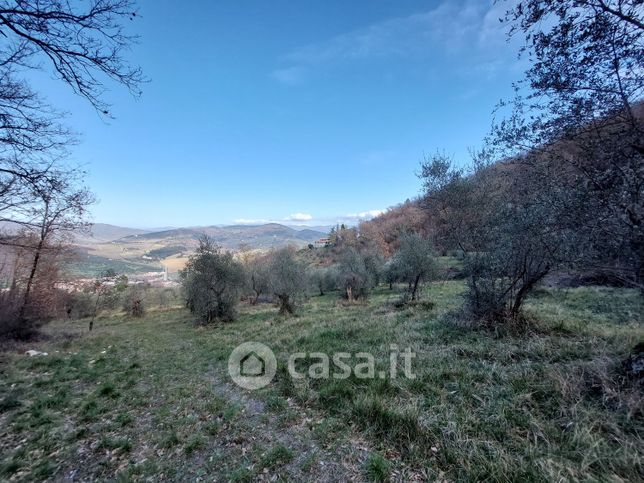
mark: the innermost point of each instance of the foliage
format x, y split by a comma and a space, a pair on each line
511, 229
323, 279
257, 277
354, 275
287, 279
413, 263
581, 121
134, 300
212, 282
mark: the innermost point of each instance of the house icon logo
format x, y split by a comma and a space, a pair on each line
252, 365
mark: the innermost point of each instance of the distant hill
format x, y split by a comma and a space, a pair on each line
135, 250
102, 232
231, 237
96, 233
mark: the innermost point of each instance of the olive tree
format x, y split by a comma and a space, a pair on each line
212, 282
580, 121
287, 278
414, 262
354, 275
257, 277
323, 279
505, 221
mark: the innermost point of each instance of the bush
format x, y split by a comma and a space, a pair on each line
212, 282
133, 301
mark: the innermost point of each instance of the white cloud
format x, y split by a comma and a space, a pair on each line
298, 217
467, 30
363, 215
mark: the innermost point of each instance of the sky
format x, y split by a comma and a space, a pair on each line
308, 112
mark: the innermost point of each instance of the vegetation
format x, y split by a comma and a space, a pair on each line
287, 279
41, 196
413, 263
355, 277
517, 376
151, 398
212, 282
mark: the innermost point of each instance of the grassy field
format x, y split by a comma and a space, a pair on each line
152, 397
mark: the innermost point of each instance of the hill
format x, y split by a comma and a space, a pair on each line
102, 232
133, 250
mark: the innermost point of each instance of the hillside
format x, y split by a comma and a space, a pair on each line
158, 389
102, 232
132, 250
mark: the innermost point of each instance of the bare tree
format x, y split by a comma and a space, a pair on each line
83, 44
58, 208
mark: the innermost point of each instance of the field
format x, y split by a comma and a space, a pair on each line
152, 397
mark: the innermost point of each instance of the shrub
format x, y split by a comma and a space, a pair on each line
134, 300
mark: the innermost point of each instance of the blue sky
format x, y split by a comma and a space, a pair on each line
308, 111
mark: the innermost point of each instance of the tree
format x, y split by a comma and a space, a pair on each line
257, 276
581, 120
212, 282
505, 220
59, 208
414, 262
83, 44
354, 275
323, 279
287, 278
134, 300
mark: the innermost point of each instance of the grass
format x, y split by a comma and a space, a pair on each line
151, 398
377, 468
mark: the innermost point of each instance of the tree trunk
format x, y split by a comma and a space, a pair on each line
416, 282
30, 280
523, 292
286, 307
349, 293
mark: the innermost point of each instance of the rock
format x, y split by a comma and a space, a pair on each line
32, 353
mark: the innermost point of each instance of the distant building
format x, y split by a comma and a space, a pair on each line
322, 242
